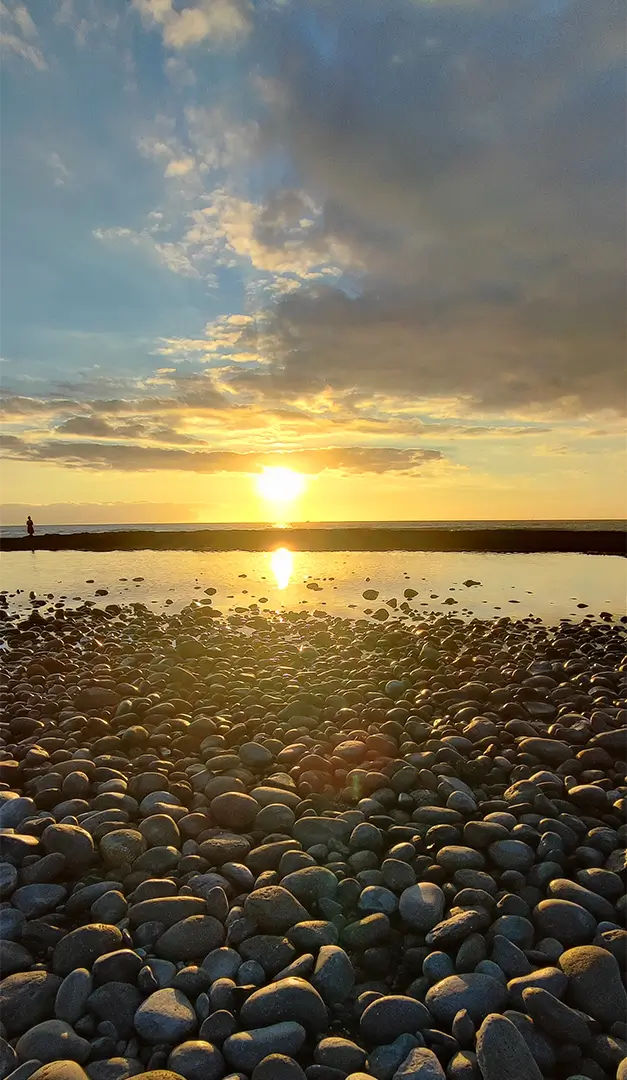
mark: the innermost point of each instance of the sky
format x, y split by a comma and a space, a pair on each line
381, 244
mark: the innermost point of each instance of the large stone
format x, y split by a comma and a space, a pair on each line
60, 1070
421, 906
319, 830
117, 1002
479, 994
166, 909
235, 809
122, 846
558, 1020
334, 975
310, 884
594, 983
274, 909
547, 978
26, 999
197, 1060
569, 923
82, 946
167, 1016
502, 1052
52, 1040
71, 1000
287, 999
388, 1017
190, 939
245, 1049
71, 841
36, 900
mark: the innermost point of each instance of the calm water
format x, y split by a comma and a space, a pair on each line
587, 525
549, 586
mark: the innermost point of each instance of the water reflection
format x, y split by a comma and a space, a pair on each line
282, 563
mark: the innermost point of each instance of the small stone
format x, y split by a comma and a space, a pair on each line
235, 809
557, 1019
190, 939
420, 1064
278, 1067
569, 923
512, 855
71, 841
340, 1054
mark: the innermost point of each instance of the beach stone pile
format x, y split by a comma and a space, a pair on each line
269, 848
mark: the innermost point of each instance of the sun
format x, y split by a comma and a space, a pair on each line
280, 485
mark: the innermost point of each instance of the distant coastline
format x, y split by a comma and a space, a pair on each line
515, 539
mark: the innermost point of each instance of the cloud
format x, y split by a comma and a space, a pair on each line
128, 458
468, 162
20, 36
218, 21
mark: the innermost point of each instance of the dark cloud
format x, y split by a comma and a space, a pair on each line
352, 459
471, 158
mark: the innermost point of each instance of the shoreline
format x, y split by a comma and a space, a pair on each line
497, 541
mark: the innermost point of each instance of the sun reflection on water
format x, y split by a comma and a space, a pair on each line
282, 564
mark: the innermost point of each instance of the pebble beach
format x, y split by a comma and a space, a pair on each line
277, 845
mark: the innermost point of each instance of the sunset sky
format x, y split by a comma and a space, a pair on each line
381, 244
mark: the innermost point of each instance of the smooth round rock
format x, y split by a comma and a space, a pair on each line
286, 1000
478, 994
52, 1040
166, 1016
197, 1060
246, 1049
390, 1016
570, 923
421, 906
502, 1053
594, 983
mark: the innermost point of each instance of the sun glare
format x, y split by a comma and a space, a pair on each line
280, 485
282, 563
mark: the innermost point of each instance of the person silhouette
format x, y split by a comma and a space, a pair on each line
30, 528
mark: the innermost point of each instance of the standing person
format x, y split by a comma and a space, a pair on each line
30, 528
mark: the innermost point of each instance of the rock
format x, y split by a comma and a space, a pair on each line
477, 993
71, 1000
274, 909
548, 978
320, 830
115, 1068
60, 1070
377, 898
457, 857
390, 1016
509, 957
278, 1067
569, 923
71, 841
383, 1061
246, 1049
312, 935
36, 900
26, 999
457, 927
122, 846
117, 1002
502, 1052
167, 910
340, 1054
594, 983
420, 1064
160, 830
598, 906
286, 1000
235, 809
334, 975
81, 947
310, 884
15, 810
14, 957
167, 1016
190, 939
8, 1059
557, 1019
421, 906
512, 855
8, 880
52, 1040
222, 963
197, 1060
